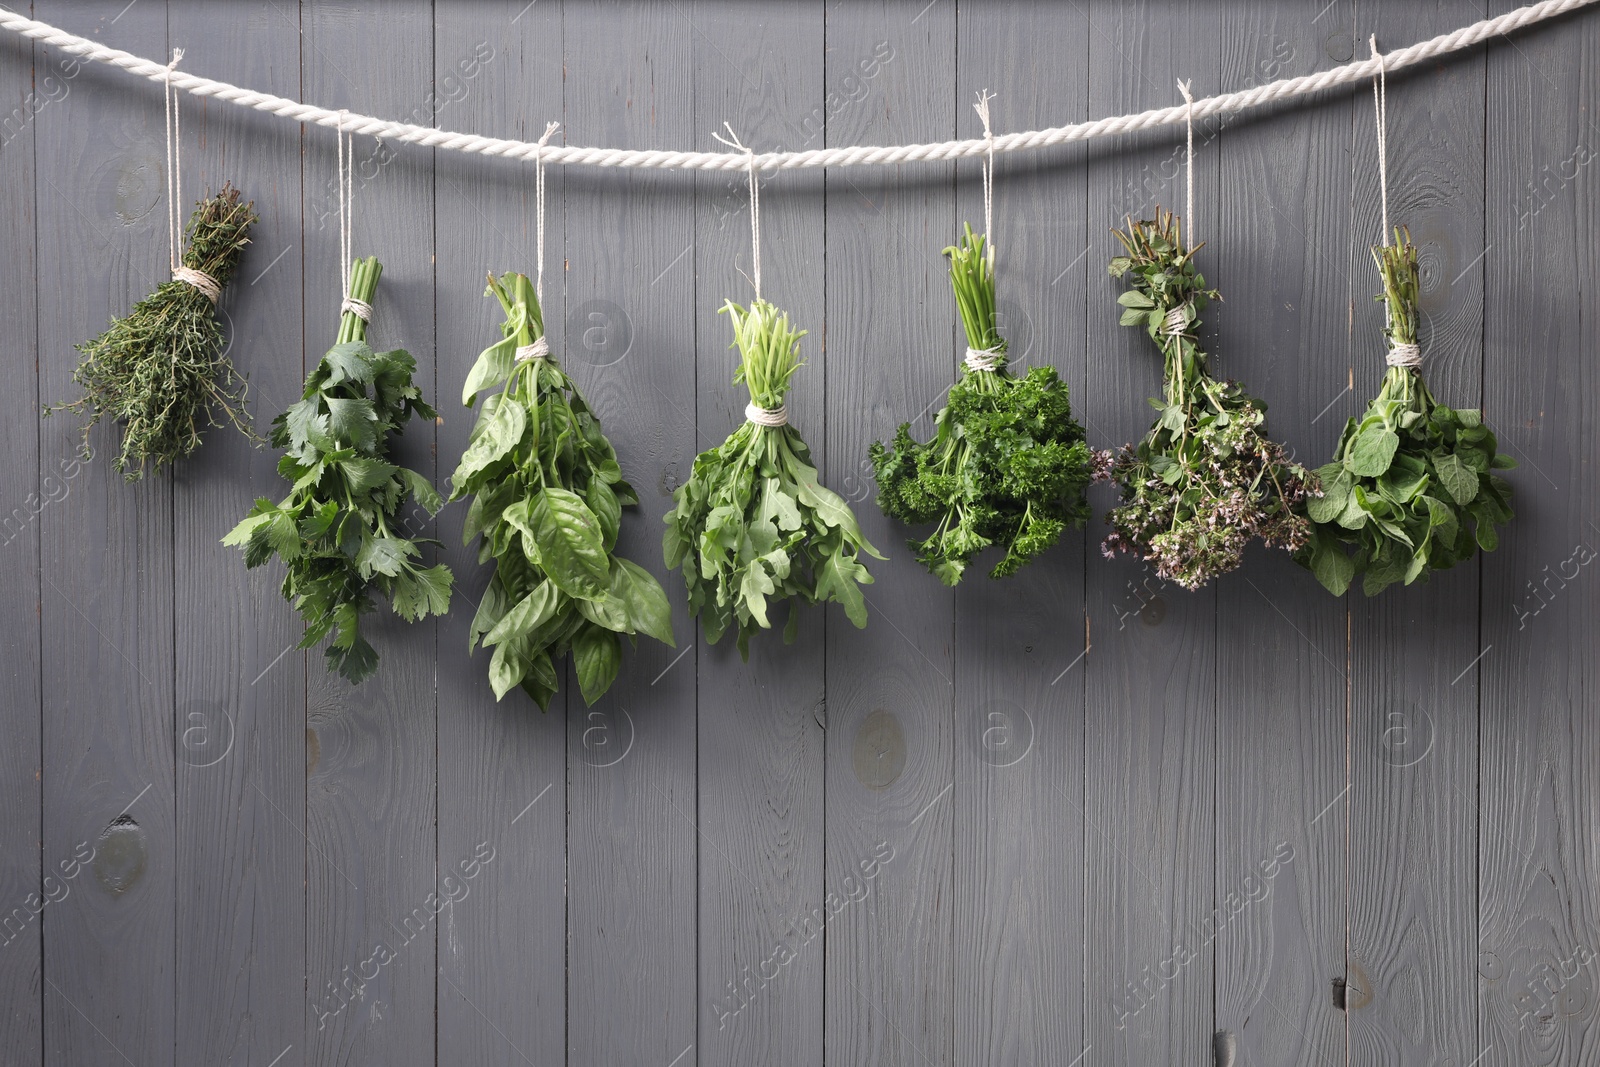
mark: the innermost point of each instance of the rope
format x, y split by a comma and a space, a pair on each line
1404, 355
538, 350
859, 155
347, 219
1175, 323
538, 213
982, 107
982, 358
732, 141
180, 273
1380, 107
1188, 166
773, 417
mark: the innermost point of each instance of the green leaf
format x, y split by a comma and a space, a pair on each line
1372, 451
1458, 479
571, 549
362, 475
352, 421
527, 615
490, 610
840, 579
423, 592
1335, 495
422, 491
1135, 299
351, 361
383, 555
603, 502
1332, 566
499, 435
492, 367
646, 602
597, 655
506, 668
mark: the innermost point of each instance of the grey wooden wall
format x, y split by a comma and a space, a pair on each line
1077, 818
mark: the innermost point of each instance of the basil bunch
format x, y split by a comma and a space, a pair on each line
752, 524
1007, 465
547, 499
1410, 489
339, 529
1206, 478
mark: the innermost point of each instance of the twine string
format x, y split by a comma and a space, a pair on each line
982, 358
769, 417
1380, 106
198, 278
1188, 166
732, 141
347, 217
538, 210
982, 107
1176, 322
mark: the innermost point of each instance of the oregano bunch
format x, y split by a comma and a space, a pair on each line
752, 525
1411, 488
339, 531
162, 370
1007, 465
547, 499
1206, 479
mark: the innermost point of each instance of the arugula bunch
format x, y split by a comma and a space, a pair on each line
1007, 465
1206, 479
752, 524
547, 499
1409, 490
339, 530
163, 370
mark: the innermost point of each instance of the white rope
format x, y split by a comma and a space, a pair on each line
982, 107
778, 416
1188, 177
180, 273
1175, 323
982, 358
1380, 106
732, 141
859, 155
347, 220
1404, 355
538, 350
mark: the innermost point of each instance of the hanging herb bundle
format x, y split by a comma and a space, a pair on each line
752, 525
339, 530
1206, 479
161, 371
1410, 489
547, 500
1007, 465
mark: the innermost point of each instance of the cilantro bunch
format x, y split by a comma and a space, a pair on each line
752, 525
1409, 490
339, 530
1206, 479
547, 499
1007, 465
163, 371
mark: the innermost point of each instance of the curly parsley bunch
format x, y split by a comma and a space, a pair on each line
1007, 465
1410, 489
1206, 479
339, 530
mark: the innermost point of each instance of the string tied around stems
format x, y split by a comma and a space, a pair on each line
1404, 355
540, 348
769, 417
732, 141
197, 278
1176, 322
1188, 165
347, 160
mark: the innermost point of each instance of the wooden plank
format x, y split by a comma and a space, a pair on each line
631, 316
1538, 916
1283, 229
1151, 734
240, 743
890, 745
372, 902
1019, 690
760, 722
1414, 724
502, 952
26, 490
106, 611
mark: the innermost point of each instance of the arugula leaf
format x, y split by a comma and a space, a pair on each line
546, 500
340, 530
752, 525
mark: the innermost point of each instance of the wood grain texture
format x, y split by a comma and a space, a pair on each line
1538, 913
25, 491
1283, 331
1017, 947
1414, 702
1150, 744
502, 949
890, 746
373, 911
106, 611
633, 841
240, 726
760, 722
